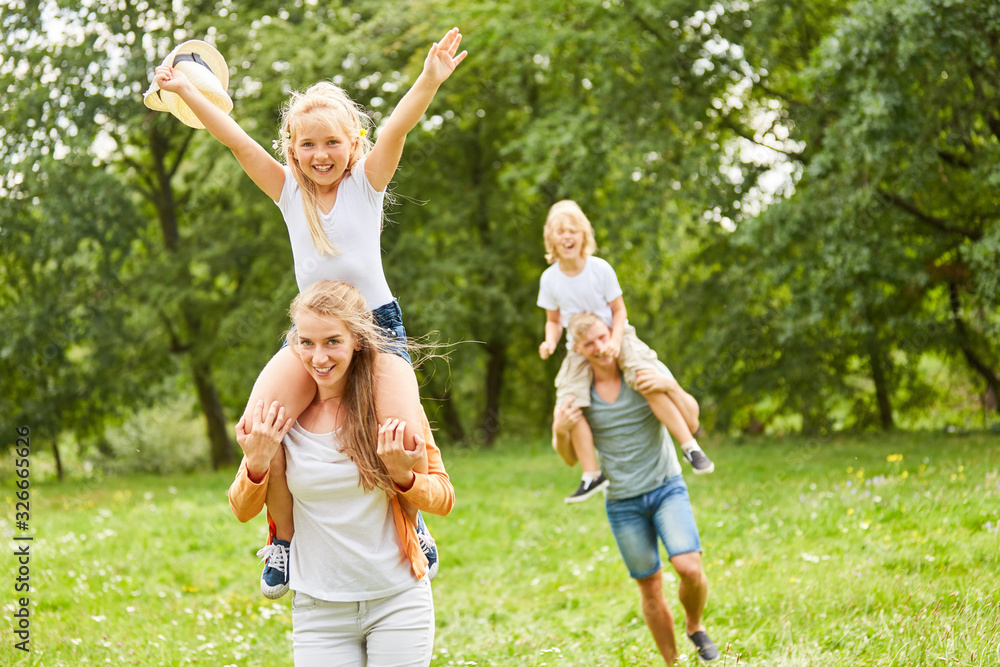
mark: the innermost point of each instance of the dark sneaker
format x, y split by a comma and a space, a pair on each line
706, 647
699, 461
587, 489
428, 546
274, 578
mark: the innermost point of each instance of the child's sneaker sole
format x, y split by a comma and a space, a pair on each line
585, 492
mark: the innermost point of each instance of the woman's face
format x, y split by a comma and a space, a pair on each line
326, 348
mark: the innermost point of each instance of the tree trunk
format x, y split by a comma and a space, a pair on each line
975, 361
882, 390
491, 420
221, 446
55, 453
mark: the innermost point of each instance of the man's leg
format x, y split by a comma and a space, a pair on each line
677, 528
659, 620
636, 537
693, 591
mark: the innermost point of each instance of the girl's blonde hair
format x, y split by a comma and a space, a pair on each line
329, 299
327, 103
567, 213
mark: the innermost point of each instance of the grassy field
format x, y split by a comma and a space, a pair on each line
859, 551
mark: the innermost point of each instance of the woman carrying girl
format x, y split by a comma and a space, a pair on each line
330, 191
360, 599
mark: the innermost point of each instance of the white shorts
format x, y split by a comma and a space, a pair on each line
397, 631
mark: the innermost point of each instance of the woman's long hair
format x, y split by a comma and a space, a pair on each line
358, 434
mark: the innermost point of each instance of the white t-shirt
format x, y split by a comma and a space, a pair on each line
592, 290
354, 225
346, 547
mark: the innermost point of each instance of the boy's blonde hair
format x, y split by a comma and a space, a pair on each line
358, 435
567, 213
329, 104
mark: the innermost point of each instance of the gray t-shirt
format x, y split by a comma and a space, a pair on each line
637, 454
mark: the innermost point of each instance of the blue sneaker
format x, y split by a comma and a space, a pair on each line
428, 546
274, 578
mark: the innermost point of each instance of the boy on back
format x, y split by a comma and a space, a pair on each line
579, 282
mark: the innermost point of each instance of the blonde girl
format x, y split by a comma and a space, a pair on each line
330, 191
354, 489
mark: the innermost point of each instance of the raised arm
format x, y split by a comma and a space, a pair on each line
441, 61
553, 332
259, 165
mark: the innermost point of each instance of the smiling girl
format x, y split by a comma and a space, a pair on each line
330, 190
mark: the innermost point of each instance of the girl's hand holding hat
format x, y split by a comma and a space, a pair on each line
169, 79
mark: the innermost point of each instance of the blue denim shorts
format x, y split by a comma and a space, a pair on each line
390, 319
636, 523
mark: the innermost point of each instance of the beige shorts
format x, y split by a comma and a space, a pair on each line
575, 376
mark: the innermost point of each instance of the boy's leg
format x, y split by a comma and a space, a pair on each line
593, 480
573, 381
637, 356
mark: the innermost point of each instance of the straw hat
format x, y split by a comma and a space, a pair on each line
206, 69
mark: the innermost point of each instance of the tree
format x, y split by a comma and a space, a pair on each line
890, 114
135, 202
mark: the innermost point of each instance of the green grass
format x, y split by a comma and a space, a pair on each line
817, 554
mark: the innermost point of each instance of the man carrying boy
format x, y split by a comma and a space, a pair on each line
577, 282
647, 495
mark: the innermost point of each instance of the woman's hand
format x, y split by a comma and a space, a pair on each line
261, 442
398, 460
441, 61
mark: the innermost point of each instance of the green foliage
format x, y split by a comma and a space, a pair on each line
879, 257
136, 256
